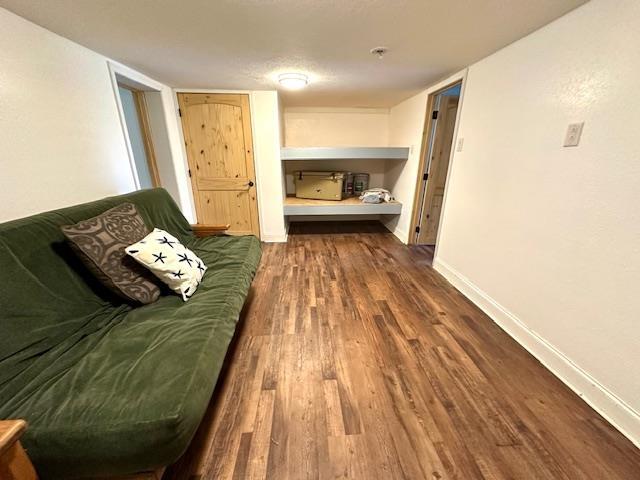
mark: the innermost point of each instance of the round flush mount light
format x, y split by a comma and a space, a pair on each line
293, 81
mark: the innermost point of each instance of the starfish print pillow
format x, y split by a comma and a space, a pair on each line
170, 261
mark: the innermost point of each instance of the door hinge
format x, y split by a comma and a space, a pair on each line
425, 176
434, 116
418, 229
180, 112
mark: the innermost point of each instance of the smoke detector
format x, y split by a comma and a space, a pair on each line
379, 51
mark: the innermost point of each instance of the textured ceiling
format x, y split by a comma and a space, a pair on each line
242, 44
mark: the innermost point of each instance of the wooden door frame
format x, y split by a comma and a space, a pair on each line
143, 117
428, 124
195, 201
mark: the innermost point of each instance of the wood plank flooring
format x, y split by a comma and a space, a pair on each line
355, 359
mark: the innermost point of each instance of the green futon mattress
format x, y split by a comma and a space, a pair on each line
109, 389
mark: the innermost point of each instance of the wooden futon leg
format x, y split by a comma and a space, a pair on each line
14, 461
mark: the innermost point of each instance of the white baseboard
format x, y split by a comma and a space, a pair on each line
401, 235
281, 238
606, 403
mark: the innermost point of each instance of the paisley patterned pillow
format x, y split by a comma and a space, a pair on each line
100, 242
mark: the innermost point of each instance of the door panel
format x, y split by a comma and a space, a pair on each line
438, 168
222, 207
435, 210
217, 131
218, 143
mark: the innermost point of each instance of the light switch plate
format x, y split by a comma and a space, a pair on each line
574, 130
460, 144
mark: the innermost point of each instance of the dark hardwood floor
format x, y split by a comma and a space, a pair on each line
355, 359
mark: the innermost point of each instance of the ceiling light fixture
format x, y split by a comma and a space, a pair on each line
293, 81
379, 51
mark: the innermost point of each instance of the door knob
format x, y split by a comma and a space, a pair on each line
250, 183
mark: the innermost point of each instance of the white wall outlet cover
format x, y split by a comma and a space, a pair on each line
574, 131
460, 144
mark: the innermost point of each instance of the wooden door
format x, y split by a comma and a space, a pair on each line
438, 167
217, 133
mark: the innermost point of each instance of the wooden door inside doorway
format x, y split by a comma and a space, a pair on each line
219, 144
437, 169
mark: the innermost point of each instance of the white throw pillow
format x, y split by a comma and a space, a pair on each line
170, 261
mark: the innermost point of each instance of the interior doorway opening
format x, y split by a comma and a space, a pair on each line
139, 136
442, 113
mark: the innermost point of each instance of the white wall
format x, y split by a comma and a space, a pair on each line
545, 238
59, 113
166, 138
265, 114
57, 116
160, 139
336, 127
406, 124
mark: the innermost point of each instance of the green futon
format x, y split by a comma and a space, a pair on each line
110, 389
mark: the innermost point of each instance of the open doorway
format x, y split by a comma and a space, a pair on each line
136, 119
151, 109
442, 110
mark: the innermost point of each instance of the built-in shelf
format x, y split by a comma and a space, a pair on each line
348, 206
343, 153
